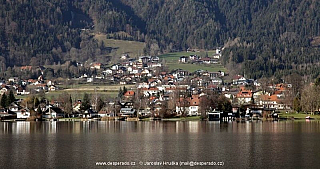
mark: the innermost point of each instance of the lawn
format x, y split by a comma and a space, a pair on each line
75, 95
172, 60
77, 91
119, 47
299, 115
88, 87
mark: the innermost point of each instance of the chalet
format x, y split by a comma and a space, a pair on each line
105, 114
89, 79
138, 65
197, 81
129, 94
124, 57
143, 85
183, 59
108, 72
52, 88
153, 64
218, 51
155, 59
52, 112
244, 96
206, 60
96, 66
144, 59
135, 71
144, 112
194, 105
14, 107
4, 89
6, 113
180, 73
149, 91
239, 80
13, 79
127, 112
115, 67
127, 104
22, 91
273, 102
194, 57
216, 56
146, 72
23, 113
216, 81
213, 75
90, 114
188, 106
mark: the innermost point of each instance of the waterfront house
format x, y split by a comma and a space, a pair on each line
127, 112
7, 114
105, 114
52, 112
89, 114
23, 113
244, 96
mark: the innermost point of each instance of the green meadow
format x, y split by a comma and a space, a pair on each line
172, 61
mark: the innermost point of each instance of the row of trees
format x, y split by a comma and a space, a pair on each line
7, 100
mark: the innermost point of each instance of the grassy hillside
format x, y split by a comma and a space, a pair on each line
119, 47
172, 60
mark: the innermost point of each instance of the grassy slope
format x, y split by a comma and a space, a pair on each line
120, 47
77, 91
172, 60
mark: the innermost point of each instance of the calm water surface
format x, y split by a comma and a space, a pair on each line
238, 145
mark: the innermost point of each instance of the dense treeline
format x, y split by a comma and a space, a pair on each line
262, 37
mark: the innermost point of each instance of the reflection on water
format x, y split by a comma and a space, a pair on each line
159, 127
257, 144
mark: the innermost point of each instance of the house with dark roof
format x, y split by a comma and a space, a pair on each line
52, 112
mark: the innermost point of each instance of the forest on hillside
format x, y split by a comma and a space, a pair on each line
262, 38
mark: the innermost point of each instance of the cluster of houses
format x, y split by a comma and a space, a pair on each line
157, 91
195, 59
128, 71
20, 86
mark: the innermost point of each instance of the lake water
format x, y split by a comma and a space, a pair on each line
286, 144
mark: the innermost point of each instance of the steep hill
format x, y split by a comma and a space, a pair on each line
261, 37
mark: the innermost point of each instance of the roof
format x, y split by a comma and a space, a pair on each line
269, 98
129, 93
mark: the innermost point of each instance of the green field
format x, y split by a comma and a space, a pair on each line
79, 94
132, 48
301, 116
77, 91
90, 87
172, 61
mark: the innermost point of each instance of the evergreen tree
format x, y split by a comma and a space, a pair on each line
124, 90
85, 104
4, 100
39, 111
11, 97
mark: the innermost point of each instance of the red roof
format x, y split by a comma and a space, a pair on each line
129, 93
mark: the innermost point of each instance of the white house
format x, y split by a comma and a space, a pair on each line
23, 114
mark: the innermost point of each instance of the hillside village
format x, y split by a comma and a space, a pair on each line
158, 92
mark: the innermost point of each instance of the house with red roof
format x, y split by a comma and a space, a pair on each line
129, 94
